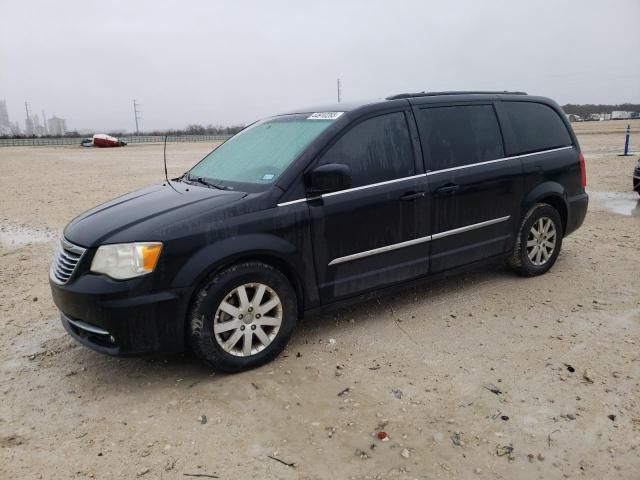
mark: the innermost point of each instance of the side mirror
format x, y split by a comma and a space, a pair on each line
329, 178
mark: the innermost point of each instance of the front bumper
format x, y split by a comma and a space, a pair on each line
110, 317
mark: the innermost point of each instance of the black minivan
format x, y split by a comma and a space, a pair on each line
320, 207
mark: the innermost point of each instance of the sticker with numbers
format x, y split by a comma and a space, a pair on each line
324, 115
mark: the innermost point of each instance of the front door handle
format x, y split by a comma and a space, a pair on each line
448, 189
411, 196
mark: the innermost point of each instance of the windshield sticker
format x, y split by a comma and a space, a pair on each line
324, 116
268, 176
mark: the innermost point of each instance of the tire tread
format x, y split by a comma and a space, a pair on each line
516, 261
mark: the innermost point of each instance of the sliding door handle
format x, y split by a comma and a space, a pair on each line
448, 189
407, 197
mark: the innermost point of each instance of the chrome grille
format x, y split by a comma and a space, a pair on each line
65, 261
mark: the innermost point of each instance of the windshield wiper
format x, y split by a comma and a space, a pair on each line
207, 183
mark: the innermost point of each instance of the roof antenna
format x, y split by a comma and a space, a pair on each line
166, 175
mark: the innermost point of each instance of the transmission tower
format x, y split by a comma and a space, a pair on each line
136, 113
339, 85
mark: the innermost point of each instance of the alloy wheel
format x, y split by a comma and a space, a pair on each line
541, 241
248, 319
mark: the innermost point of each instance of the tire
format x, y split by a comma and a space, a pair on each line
526, 260
221, 305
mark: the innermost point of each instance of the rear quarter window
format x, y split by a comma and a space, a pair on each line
535, 127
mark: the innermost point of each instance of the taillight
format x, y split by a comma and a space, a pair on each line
583, 171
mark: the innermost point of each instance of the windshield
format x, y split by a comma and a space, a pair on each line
259, 154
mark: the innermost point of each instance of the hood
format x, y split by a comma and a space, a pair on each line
136, 215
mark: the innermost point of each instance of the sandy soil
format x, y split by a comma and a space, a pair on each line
561, 352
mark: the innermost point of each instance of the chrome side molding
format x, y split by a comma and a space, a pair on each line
497, 160
431, 172
416, 241
375, 251
467, 228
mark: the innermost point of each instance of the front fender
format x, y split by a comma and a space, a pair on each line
267, 248
224, 252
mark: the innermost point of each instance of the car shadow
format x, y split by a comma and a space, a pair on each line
184, 370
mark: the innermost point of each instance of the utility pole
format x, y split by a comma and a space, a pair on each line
135, 113
339, 85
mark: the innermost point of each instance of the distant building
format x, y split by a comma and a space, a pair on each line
28, 126
38, 129
57, 126
5, 125
620, 115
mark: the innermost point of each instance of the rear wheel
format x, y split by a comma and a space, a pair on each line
539, 241
242, 317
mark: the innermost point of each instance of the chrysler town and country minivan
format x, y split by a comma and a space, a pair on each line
318, 207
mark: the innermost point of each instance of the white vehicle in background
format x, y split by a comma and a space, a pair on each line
620, 115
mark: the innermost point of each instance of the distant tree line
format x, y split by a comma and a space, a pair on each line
190, 130
70, 134
200, 130
587, 109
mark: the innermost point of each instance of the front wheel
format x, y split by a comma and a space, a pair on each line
242, 317
539, 241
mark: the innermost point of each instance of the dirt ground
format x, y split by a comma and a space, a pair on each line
484, 375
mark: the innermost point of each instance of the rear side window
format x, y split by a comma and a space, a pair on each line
377, 149
535, 127
459, 135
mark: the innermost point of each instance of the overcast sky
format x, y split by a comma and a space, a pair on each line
230, 62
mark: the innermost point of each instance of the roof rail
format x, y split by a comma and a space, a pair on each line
461, 92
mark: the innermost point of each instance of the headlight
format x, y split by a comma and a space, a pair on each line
126, 260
